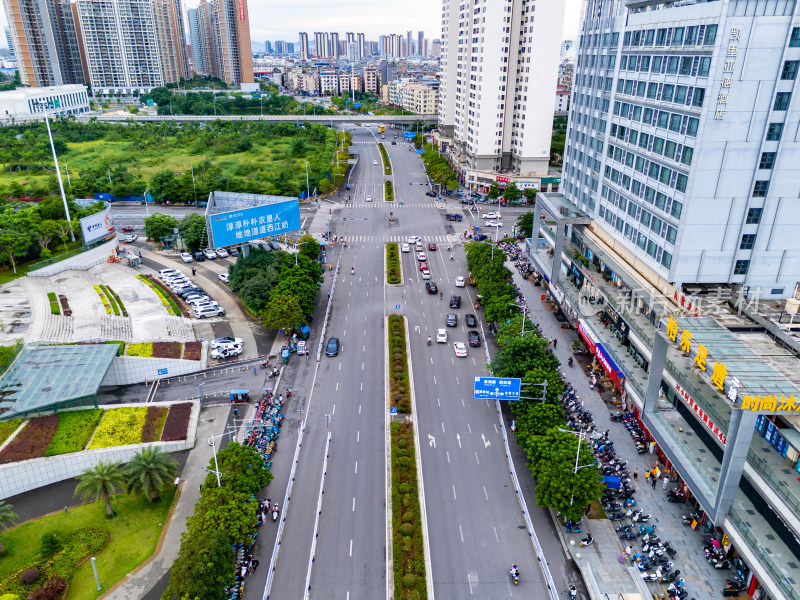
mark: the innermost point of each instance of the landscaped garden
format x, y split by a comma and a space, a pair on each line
90, 429
387, 164
394, 270
399, 387
389, 189
45, 557
167, 298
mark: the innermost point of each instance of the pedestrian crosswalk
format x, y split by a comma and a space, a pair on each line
358, 239
392, 205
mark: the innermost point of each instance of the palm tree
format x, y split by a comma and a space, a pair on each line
100, 481
149, 472
7, 517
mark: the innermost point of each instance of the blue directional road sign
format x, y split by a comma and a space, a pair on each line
420, 151
162, 371
397, 307
408, 135
356, 104
394, 410
491, 388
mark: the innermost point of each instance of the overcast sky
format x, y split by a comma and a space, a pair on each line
284, 19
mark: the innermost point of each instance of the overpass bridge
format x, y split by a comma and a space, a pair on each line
323, 119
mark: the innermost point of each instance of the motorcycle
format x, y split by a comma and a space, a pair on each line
569, 361
648, 530
587, 541
630, 535
676, 496
275, 513
264, 364
274, 373
514, 574
654, 576
670, 577
352, 270
688, 519
573, 592
429, 340
616, 517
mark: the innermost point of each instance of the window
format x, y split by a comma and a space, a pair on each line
654, 167
672, 64
711, 35
667, 92
686, 65
655, 225
666, 175
691, 126
741, 267
648, 37
643, 140
677, 207
661, 37
677, 36
666, 259
691, 36
649, 194
652, 90
680, 94
794, 40
782, 100
705, 65
623, 62
661, 200
672, 233
657, 64
760, 189
698, 96
683, 180
767, 160
658, 145
663, 119
748, 241
686, 155
669, 150
789, 69
644, 64
640, 88
775, 129
753, 216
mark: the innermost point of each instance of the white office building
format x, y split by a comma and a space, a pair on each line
682, 142
499, 70
26, 101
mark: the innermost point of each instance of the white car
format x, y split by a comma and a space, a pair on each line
222, 253
460, 349
222, 341
208, 310
164, 272
421, 257
226, 351
494, 224
209, 253
131, 238
441, 336
368, 199
405, 248
459, 281
374, 162
413, 239
186, 257
426, 274
223, 277
491, 215
194, 298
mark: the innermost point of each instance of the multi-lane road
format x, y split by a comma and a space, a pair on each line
476, 529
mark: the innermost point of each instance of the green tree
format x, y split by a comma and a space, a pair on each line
149, 472
242, 469
282, 312
14, 245
63, 227
203, 568
494, 192
221, 509
157, 225
530, 194
193, 230
100, 481
46, 232
309, 247
512, 193
164, 186
7, 514
558, 486
525, 223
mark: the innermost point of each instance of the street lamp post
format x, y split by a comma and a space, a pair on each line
524, 310
212, 441
146, 205
581, 435
308, 187
45, 106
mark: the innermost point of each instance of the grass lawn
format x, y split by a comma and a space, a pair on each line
134, 535
8, 274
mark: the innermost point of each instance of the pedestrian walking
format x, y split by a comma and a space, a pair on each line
636, 473
647, 476
666, 483
169, 332
555, 343
255, 371
235, 412
654, 480
66, 510
255, 564
193, 271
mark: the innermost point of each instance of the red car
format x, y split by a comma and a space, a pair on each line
432, 247
127, 228
423, 266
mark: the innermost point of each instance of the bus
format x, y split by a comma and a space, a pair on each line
381, 128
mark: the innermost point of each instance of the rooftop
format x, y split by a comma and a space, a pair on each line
44, 378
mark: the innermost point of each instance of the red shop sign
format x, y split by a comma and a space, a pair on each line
713, 428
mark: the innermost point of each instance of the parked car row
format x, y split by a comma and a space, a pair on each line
192, 294
209, 254
226, 347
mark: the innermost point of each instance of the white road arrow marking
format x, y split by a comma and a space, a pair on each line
431, 441
486, 443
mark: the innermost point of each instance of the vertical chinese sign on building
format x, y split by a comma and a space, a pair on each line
727, 72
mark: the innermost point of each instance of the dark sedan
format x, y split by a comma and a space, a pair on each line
470, 320
332, 349
474, 339
455, 301
431, 287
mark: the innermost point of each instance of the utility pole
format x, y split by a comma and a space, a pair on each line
44, 105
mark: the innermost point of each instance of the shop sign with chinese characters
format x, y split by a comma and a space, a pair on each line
727, 72
701, 414
718, 370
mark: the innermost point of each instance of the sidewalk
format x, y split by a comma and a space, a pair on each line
212, 422
599, 563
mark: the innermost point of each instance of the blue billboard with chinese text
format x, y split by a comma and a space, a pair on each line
235, 227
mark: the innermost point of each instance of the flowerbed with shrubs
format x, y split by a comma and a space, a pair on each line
167, 349
103, 299
141, 349
7, 428
74, 430
192, 351
54, 309
31, 442
119, 427
154, 423
399, 387
177, 423
387, 165
389, 188
45, 578
163, 294
394, 270
408, 556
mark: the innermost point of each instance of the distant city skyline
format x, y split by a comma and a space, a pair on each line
272, 20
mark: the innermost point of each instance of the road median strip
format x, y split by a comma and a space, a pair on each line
387, 163
394, 268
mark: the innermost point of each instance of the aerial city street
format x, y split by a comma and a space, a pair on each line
480, 299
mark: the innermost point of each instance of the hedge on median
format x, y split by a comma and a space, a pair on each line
399, 387
408, 555
387, 165
389, 188
394, 272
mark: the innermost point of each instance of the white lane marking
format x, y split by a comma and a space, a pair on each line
458, 438
362, 386
340, 366
448, 457
434, 380
485, 493
351, 548
362, 366
337, 386
333, 412
442, 426
469, 427
359, 410
354, 504
495, 535
345, 318
455, 498
462, 403
363, 348
476, 458
344, 333
438, 403
457, 382
460, 531
356, 471
495, 429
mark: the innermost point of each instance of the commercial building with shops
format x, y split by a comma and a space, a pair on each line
710, 372
62, 100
